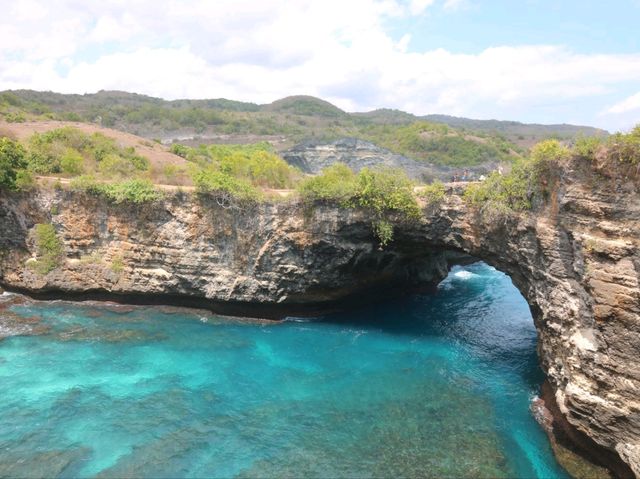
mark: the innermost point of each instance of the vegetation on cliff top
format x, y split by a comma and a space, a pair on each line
12, 164
528, 179
256, 164
387, 194
532, 179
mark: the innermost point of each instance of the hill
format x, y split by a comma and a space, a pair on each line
304, 105
437, 139
524, 134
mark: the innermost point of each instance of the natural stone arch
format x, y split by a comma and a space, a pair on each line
576, 262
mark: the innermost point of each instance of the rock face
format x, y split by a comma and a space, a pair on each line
576, 261
313, 157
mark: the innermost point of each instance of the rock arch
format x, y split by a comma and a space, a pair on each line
576, 262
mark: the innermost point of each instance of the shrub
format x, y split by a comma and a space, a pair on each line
383, 230
131, 191
337, 183
228, 191
513, 190
528, 179
180, 150
72, 162
71, 151
86, 183
550, 150
134, 191
15, 118
12, 160
626, 148
25, 180
49, 248
586, 147
115, 166
385, 193
433, 193
256, 163
117, 264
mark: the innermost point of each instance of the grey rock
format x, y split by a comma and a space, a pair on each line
313, 157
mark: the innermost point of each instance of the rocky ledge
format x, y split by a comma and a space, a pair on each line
576, 261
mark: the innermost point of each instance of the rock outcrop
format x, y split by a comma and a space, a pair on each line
576, 261
314, 156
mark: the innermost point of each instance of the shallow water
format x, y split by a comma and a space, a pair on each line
427, 386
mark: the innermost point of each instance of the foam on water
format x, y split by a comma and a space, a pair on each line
430, 385
463, 274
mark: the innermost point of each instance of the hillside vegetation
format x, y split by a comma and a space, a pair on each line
439, 140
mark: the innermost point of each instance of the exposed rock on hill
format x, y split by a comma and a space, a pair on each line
313, 157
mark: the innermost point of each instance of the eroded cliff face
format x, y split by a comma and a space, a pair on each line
576, 261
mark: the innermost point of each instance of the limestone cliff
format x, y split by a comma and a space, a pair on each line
576, 261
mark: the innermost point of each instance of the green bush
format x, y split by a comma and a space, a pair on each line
88, 184
12, 160
528, 179
25, 180
550, 150
433, 193
131, 191
15, 117
117, 264
180, 150
49, 248
228, 191
383, 230
256, 163
625, 148
337, 183
513, 190
386, 193
134, 191
115, 166
71, 162
586, 147
71, 151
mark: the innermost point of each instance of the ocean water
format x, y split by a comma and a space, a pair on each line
425, 386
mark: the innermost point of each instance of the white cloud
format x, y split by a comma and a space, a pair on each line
416, 7
631, 103
262, 51
454, 4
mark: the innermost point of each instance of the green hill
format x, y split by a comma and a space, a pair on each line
437, 139
304, 105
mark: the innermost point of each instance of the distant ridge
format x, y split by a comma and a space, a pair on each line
436, 139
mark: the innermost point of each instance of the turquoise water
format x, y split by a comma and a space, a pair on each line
426, 386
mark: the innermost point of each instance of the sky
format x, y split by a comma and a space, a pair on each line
544, 61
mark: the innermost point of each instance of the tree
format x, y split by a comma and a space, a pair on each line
12, 159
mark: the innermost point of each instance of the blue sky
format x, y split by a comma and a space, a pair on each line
531, 60
586, 26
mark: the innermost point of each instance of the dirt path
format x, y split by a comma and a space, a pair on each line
67, 181
284, 193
